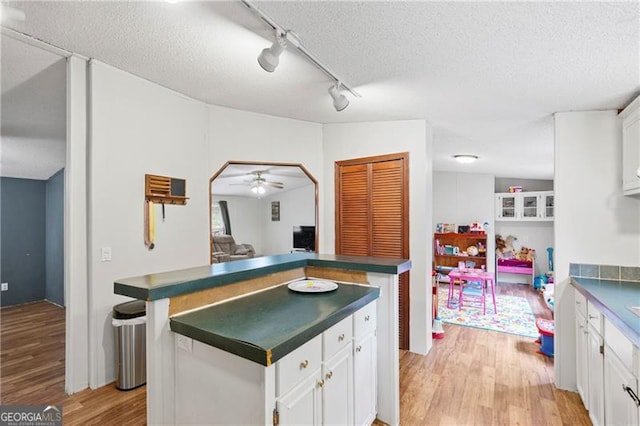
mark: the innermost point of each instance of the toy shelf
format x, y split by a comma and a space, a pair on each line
445, 262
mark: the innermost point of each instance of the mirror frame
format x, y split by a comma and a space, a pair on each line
270, 164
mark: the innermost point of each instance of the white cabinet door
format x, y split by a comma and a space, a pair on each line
547, 206
365, 379
631, 148
525, 206
530, 203
302, 404
596, 377
582, 369
337, 392
620, 391
506, 207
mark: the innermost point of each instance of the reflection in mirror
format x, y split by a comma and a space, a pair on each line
266, 208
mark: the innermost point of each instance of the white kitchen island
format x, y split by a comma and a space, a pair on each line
173, 357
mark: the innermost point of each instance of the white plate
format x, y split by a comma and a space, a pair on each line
313, 286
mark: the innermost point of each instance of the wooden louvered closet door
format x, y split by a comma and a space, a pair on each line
372, 216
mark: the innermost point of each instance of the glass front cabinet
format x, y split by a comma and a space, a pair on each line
525, 206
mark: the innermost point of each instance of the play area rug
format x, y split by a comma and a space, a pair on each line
514, 314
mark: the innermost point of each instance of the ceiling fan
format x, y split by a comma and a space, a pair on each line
258, 183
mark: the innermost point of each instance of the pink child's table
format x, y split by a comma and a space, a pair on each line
475, 275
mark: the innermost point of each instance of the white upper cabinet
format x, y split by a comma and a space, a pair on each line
631, 148
525, 206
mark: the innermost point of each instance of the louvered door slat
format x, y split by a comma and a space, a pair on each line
387, 207
354, 211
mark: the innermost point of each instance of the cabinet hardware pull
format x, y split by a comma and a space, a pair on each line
329, 375
321, 383
359, 348
593, 317
578, 302
304, 364
632, 394
341, 337
586, 332
366, 318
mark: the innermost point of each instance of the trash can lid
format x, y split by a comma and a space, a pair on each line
128, 310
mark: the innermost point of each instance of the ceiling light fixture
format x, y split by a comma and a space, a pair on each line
269, 58
258, 189
273, 53
465, 158
340, 101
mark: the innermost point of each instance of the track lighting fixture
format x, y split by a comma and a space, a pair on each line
340, 101
269, 58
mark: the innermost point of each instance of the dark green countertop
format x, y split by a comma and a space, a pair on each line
265, 326
174, 283
613, 298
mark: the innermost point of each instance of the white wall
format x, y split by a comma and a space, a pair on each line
297, 208
75, 224
503, 184
594, 222
246, 136
535, 235
246, 224
347, 141
462, 198
137, 127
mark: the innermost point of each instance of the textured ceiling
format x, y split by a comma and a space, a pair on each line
487, 75
236, 179
33, 111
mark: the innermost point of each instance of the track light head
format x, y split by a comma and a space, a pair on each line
340, 101
269, 58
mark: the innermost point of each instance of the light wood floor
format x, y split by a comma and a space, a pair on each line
482, 377
469, 377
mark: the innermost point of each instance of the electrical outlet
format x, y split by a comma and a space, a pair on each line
4, 286
185, 343
106, 254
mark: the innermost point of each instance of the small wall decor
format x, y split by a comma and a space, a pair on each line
275, 211
161, 190
165, 190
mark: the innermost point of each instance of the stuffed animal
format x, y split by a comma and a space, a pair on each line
500, 245
526, 253
531, 255
522, 253
509, 252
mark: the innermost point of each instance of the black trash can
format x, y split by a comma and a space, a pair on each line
130, 330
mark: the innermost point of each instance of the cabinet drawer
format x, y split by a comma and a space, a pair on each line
299, 364
337, 337
594, 317
581, 303
364, 320
619, 344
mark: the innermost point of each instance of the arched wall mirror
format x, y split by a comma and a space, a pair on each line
262, 209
